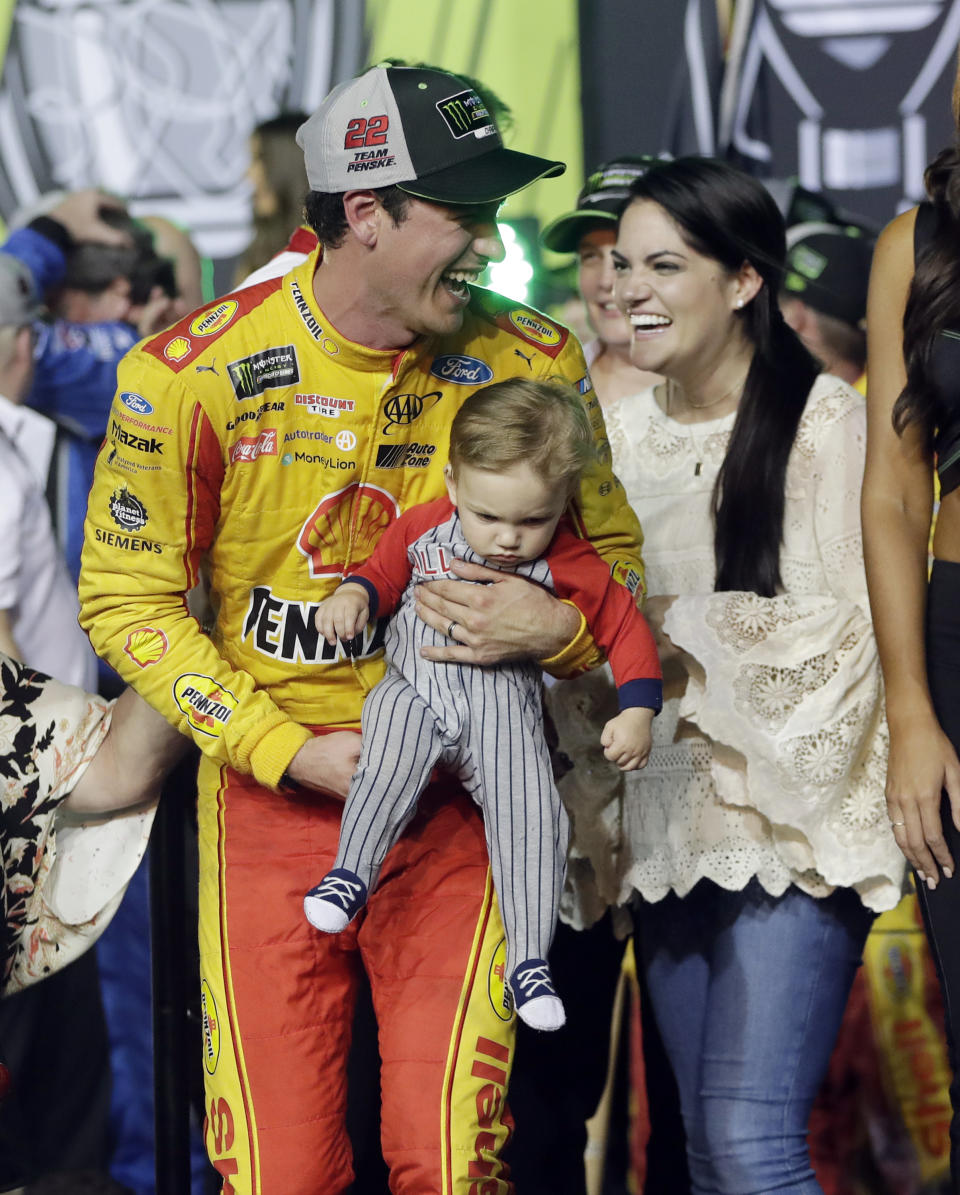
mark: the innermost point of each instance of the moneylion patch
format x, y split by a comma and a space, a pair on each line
206, 705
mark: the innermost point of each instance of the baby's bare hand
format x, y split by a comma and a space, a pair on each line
344, 614
627, 738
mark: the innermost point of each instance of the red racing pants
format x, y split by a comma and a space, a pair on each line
278, 995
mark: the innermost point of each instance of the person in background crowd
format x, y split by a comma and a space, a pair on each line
757, 851
38, 623
913, 435
279, 185
824, 296
548, 1150
104, 297
384, 327
77, 793
98, 288
590, 231
38, 603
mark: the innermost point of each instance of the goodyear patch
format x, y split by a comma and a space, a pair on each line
214, 319
535, 329
206, 705
145, 646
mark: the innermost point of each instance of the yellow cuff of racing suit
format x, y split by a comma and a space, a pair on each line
580, 654
272, 755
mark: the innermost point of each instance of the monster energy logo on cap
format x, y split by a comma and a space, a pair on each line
466, 113
273, 368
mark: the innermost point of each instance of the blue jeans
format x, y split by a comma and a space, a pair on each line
749, 992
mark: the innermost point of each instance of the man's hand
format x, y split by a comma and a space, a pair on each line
327, 762
79, 213
508, 619
626, 739
344, 614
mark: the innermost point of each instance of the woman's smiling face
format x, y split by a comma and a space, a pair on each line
680, 304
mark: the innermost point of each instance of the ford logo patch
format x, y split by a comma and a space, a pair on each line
464, 371
136, 402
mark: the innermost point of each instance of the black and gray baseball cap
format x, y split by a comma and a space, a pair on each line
603, 198
828, 268
425, 131
19, 302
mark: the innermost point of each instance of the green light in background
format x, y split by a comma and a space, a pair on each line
513, 275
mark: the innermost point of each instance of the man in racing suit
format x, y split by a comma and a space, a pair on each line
276, 433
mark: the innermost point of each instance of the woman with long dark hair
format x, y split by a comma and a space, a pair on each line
756, 846
913, 401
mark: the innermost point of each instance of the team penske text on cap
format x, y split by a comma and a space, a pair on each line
601, 201
425, 131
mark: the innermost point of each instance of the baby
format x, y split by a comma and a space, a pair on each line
517, 449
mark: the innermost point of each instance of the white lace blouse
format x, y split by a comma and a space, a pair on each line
770, 760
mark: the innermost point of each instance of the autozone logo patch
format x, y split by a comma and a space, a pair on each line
269, 370
405, 456
207, 706
248, 448
462, 370
286, 630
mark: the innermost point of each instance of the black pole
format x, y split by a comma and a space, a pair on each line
170, 957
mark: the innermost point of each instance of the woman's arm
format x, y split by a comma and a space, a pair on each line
139, 749
897, 506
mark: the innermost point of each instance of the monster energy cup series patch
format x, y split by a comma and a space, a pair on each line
273, 368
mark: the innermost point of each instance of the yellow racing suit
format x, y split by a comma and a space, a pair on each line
255, 438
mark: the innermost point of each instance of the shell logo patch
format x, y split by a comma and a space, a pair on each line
211, 1028
177, 349
205, 704
360, 513
536, 330
496, 982
145, 646
215, 319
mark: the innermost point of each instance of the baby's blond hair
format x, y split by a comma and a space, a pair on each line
538, 422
